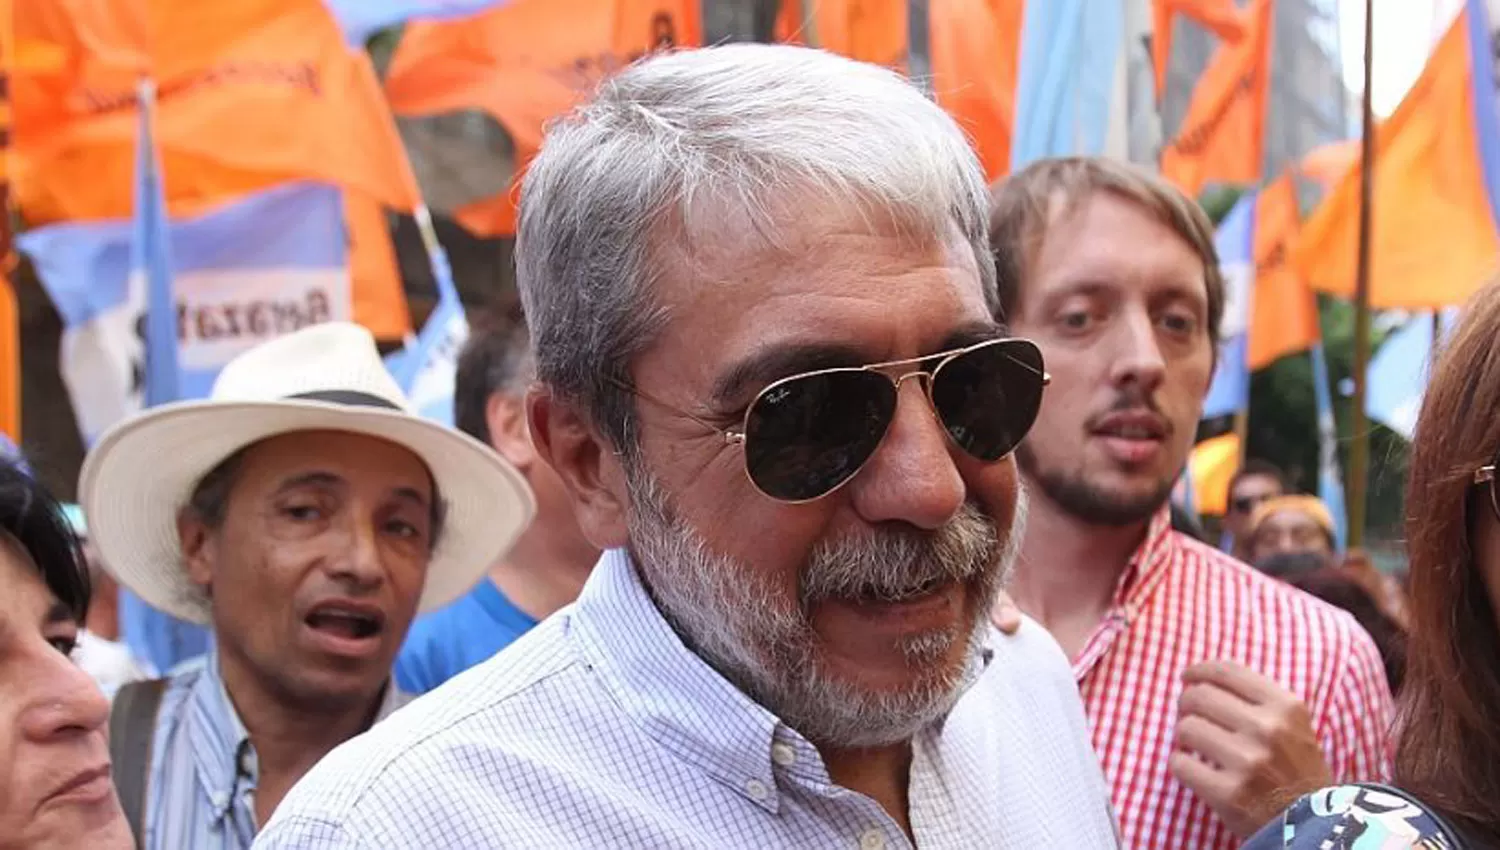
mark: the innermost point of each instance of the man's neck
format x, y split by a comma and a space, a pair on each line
881, 773
537, 578
289, 739
1067, 570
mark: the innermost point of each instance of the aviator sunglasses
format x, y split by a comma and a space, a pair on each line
806, 435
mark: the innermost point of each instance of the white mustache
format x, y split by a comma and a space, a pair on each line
890, 563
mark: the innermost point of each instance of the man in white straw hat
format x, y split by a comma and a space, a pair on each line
307, 514
760, 292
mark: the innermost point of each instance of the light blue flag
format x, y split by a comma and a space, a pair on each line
425, 368
1397, 375
1330, 482
151, 259
1235, 242
1065, 85
359, 19
1486, 104
246, 272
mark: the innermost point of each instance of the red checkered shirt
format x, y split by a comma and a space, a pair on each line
1180, 602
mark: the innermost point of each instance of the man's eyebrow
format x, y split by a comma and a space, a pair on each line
59, 613
973, 334
773, 363
310, 479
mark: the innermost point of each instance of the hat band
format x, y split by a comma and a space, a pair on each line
349, 397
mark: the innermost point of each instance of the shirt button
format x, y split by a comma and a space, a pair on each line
873, 839
783, 755
757, 790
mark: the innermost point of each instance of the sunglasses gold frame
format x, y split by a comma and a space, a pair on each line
737, 437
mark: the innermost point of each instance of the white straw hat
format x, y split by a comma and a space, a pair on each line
328, 377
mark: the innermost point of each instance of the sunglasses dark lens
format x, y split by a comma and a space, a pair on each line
988, 398
808, 435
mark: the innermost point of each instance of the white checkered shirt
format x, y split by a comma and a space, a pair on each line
599, 728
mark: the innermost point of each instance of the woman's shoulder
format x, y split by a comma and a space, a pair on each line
1355, 816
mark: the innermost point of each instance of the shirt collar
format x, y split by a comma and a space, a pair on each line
221, 749
679, 700
1146, 568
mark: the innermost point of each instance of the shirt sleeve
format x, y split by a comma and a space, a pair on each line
1355, 729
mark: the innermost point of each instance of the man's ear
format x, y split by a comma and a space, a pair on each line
197, 542
590, 470
505, 417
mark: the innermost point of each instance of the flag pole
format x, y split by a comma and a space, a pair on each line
1359, 449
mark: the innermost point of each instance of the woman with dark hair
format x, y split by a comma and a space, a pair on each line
1447, 768
55, 785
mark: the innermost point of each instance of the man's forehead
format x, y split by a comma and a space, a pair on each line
333, 457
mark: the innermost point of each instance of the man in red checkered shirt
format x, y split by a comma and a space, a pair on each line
1215, 694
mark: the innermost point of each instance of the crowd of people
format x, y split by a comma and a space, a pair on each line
701, 567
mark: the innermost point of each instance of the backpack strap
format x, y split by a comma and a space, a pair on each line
132, 728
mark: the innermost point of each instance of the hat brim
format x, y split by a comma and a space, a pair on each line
141, 473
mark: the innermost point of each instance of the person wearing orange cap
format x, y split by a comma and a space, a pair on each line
1289, 525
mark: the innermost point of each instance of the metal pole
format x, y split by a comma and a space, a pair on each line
1359, 449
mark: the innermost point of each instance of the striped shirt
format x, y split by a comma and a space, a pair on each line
1180, 602
200, 792
599, 728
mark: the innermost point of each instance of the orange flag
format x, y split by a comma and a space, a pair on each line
1219, 16
1284, 317
1222, 138
251, 93
378, 297
1433, 241
10, 318
1327, 164
525, 63
974, 47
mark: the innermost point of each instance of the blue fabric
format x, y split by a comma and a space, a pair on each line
360, 19
1065, 82
151, 260
1235, 241
1486, 111
426, 366
448, 641
204, 769
1354, 817
159, 638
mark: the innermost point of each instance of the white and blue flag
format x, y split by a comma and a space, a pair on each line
1235, 242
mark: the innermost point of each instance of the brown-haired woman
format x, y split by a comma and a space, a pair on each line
1447, 765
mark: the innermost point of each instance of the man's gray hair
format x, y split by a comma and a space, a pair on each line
670, 145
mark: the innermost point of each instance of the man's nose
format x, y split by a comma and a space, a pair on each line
63, 701
911, 478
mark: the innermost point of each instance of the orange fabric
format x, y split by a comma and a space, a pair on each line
1212, 463
10, 319
524, 63
975, 47
374, 277
1433, 241
1222, 139
1327, 164
250, 93
1284, 315
1221, 17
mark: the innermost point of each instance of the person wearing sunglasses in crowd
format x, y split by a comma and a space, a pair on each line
761, 298
1251, 484
55, 785
1214, 692
1446, 778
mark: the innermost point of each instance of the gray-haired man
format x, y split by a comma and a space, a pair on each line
731, 261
